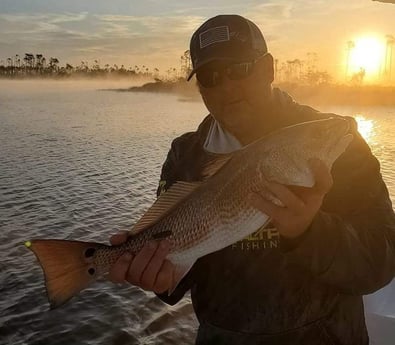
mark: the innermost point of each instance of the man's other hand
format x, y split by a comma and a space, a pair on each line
148, 269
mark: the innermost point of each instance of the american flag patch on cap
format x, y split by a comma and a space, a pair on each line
214, 35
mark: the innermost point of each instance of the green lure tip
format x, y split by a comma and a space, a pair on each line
28, 244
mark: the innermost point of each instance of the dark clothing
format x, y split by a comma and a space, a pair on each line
269, 290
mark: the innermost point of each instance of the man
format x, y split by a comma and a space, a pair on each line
300, 281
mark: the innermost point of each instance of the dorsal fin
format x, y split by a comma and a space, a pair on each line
215, 163
164, 204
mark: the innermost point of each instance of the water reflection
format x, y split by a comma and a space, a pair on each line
366, 127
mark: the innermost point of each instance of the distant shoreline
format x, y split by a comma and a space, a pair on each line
318, 94
368, 95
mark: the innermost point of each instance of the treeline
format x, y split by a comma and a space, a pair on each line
38, 66
301, 71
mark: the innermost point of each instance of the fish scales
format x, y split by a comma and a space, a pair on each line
205, 223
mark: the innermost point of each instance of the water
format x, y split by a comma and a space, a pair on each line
82, 164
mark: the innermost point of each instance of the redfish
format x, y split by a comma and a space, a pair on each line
198, 218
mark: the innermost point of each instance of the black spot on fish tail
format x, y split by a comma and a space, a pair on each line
161, 235
90, 252
91, 271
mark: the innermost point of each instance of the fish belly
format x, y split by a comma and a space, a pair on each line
222, 236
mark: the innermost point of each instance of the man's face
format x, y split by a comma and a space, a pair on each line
237, 101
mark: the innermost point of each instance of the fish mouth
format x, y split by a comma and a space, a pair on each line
337, 129
341, 137
339, 125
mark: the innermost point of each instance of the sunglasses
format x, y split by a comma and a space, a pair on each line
212, 75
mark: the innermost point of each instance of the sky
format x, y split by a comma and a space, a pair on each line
155, 33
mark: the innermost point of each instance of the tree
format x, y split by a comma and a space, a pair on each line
357, 78
53, 64
17, 61
294, 69
388, 56
40, 61
350, 47
29, 60
186, 63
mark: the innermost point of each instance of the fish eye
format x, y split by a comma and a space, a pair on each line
91, 271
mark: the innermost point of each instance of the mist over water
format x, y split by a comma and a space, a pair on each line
30, 87
79, 163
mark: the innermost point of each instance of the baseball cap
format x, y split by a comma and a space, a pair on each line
227, 37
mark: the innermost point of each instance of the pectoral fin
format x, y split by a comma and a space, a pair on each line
180, 271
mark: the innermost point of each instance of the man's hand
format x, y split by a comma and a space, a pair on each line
148, 269
300, 205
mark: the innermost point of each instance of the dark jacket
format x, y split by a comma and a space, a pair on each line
269, 290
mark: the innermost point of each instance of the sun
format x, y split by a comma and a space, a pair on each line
366, 55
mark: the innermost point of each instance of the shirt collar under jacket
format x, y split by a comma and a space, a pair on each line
219, 140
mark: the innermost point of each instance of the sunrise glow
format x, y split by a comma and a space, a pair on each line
366, 55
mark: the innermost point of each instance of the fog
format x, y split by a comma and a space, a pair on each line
38, 86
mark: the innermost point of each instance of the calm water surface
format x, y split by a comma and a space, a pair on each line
82, 164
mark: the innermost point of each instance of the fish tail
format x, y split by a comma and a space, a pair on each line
68, 267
